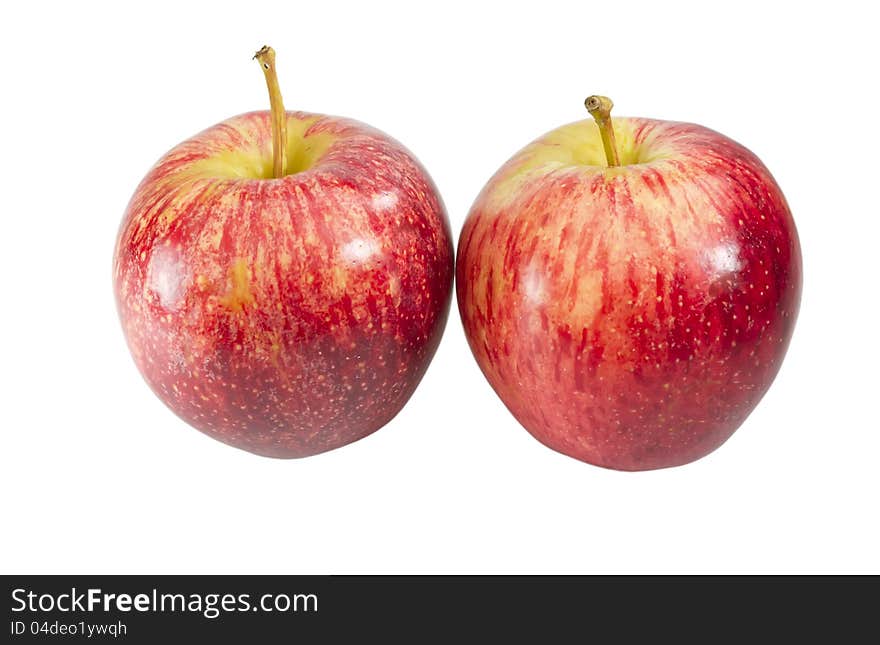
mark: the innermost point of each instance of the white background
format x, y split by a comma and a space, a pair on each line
99, 477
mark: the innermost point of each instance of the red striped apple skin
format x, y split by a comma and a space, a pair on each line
630, 317
285, 316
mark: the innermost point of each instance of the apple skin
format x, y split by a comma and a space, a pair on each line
630, 317
289, 316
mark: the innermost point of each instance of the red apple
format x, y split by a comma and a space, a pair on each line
630, 315
284, 299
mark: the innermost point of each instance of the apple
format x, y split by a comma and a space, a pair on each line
629, 288
283, 278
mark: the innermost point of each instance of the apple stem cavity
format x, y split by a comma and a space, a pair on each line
600, 109
266, 57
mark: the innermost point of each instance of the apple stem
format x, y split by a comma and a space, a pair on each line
600, 108
266, 57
